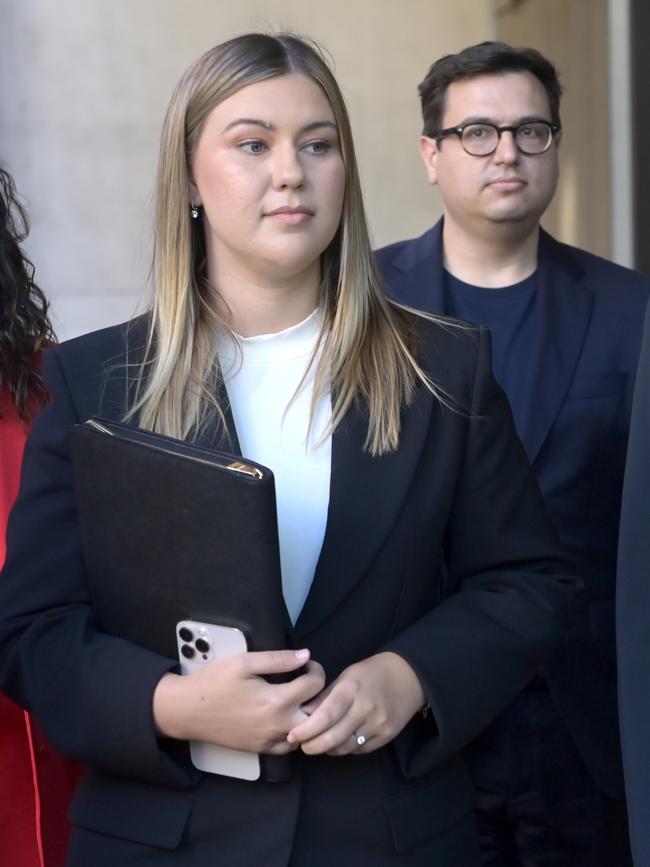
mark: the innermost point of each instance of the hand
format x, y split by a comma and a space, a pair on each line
228, 702
374, 698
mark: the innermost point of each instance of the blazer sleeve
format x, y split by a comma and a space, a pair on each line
91, 692
508, 588
633, 612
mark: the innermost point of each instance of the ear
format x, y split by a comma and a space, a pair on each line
429, 153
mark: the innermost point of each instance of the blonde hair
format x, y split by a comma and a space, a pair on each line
368, 346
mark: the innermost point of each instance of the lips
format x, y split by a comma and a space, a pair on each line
507, 183
290, 216
286, 209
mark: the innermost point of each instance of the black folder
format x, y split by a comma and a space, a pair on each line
174, 531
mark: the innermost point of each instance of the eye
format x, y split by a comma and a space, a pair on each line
254, 146
476, 131
318, 147
531, 130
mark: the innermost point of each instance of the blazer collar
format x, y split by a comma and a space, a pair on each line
366, 496
420, 270
564, 305
216, 436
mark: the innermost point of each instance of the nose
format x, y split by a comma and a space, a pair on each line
288, 170
507, 152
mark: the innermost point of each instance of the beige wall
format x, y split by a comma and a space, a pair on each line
573, 34
84, 84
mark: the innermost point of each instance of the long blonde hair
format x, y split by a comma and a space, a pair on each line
368, 346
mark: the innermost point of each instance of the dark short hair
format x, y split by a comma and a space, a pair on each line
486, 58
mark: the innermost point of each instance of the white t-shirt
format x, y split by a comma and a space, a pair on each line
275, 434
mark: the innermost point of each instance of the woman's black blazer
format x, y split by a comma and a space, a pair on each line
457, 492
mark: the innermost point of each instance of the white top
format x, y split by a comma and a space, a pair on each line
273, 433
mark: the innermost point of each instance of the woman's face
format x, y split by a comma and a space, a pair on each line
268, 171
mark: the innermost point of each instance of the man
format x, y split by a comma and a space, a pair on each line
633, 613
566, 328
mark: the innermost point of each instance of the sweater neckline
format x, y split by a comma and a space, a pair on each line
294, 342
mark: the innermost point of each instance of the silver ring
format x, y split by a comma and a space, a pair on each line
360, 739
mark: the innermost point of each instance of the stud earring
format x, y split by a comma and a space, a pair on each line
194, 213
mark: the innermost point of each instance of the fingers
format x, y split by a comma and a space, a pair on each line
291, 695
280, 748
303, 688
310, 706
328, 726
372, 699
274, 661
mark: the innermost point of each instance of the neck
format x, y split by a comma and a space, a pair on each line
255, 304
500, 254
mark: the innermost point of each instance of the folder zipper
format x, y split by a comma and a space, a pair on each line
234, 466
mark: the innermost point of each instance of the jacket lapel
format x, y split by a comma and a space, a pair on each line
564, 308
366, 496
416, 277
366, 493
215, 436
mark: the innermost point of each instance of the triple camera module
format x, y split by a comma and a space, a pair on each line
192, 645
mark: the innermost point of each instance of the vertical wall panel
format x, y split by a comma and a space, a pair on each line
573, 34
640, 61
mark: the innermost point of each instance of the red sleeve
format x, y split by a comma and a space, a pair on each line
37, 783
12, 444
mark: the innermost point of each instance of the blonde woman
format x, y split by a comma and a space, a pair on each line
393, 452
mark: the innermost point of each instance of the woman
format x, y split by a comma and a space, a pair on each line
392, 448
36, 783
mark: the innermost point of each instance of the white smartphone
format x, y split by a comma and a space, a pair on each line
198, 644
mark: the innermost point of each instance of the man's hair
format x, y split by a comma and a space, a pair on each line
486, 58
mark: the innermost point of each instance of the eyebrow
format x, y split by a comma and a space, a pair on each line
254, 121
529, 118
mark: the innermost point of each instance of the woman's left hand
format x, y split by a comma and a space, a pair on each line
371, 700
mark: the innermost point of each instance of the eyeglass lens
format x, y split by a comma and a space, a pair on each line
480, 139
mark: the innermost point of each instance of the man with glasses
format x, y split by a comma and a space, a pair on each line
566, 329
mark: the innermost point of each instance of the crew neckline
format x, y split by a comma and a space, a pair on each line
296, 341
497, 292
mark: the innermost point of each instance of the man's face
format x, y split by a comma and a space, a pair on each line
506, 186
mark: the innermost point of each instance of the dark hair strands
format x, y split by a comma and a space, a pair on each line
485, 58
25, 328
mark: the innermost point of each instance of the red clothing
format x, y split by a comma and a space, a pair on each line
35, 782
12, 442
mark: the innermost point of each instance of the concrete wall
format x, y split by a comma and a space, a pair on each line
573, 34
84, 85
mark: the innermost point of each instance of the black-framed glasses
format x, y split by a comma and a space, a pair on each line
531, 137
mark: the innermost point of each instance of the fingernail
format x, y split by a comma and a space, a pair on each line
302, 655
291, 739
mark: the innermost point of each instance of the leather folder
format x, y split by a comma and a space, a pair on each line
174, 531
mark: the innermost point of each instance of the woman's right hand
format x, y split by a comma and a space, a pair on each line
228, 702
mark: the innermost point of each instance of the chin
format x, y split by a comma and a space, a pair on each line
286, 267
513, 215
293, 258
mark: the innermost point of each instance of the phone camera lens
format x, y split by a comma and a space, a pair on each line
188, 651
186, 634
202, 645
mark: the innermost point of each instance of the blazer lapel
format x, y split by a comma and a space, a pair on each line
366, 495
120, 379
215, 436
564, 308
417, 277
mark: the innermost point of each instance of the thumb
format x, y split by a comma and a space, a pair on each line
275, 661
